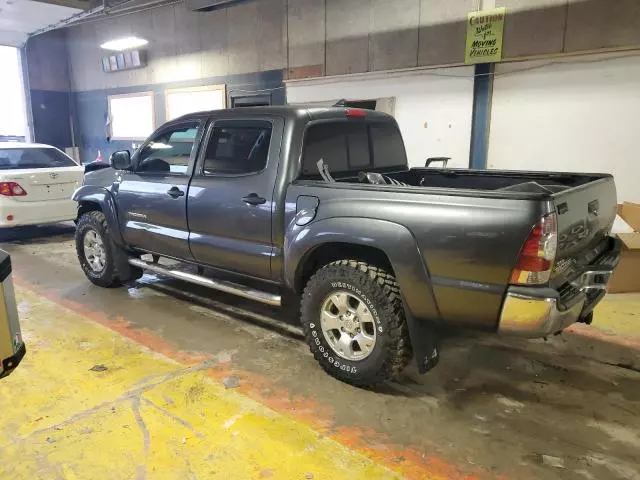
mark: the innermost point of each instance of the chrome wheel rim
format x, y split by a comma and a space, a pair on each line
94, 251
348, 325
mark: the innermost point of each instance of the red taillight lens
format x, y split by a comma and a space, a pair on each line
538, 254
12, 189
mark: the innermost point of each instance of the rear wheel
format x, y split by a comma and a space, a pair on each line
354, 322
103, 262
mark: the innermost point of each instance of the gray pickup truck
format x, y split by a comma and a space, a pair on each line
318, 206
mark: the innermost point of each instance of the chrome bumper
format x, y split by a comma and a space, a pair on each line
537, 312
529, 316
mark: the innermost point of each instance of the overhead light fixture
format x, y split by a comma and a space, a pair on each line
126, 43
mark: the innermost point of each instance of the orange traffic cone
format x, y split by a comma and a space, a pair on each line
99, 157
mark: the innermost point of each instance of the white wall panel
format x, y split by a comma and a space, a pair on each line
433, 107
577, 114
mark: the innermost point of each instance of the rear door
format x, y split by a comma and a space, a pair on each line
44, 173
152, 205
230, 201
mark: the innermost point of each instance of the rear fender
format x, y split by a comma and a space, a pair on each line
399, 245
100, 196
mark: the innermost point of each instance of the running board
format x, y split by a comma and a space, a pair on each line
223, 286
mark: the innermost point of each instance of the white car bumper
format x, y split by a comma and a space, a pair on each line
16, 214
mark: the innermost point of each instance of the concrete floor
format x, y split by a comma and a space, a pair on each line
167, 380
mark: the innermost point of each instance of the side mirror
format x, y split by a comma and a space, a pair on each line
120, 160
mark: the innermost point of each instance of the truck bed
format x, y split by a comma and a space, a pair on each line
535, 183
470, 224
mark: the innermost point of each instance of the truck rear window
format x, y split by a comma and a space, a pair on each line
350, 147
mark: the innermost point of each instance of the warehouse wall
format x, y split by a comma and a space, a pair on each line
577, 114
183, 45
50, 89
316, 38
433, 108
333, 37
240, 47
311, 38
92, 107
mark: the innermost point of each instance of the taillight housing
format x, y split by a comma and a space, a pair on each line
12, 189
538, 254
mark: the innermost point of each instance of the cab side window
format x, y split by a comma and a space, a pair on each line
169, 152
237, 148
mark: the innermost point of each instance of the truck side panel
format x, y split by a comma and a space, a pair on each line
466, 247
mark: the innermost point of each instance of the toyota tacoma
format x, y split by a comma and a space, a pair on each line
320, 206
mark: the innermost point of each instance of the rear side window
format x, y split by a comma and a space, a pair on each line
237, 148
18, 158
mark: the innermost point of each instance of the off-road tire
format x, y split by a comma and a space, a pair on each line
117, 269
392, 350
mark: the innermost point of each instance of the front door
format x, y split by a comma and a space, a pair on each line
231, 196
152, 200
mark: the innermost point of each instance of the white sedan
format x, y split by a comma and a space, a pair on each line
36, 183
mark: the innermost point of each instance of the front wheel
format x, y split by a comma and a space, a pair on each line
102, 261
354, 322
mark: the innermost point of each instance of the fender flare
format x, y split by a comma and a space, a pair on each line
400, 247
102, 197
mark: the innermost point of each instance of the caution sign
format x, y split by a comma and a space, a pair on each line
484, 36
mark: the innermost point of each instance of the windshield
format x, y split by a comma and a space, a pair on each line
23, 158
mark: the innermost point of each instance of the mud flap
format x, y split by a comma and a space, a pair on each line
424, 342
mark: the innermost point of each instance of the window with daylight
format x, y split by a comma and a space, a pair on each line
132, 116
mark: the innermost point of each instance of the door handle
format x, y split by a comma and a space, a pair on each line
254, 199
175, 192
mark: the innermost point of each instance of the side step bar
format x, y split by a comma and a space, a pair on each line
223, 286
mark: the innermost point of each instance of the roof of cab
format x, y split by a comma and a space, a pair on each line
311, 112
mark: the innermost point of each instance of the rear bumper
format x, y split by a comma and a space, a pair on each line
537, 312
34, 213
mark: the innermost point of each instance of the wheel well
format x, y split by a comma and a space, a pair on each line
330, 252
86, 207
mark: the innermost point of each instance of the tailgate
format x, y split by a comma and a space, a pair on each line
585, 215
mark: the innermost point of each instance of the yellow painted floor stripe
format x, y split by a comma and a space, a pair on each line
619, 314
145, 416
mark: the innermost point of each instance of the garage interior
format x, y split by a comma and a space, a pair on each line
165, 379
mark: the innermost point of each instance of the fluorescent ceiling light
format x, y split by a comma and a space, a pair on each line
126, 43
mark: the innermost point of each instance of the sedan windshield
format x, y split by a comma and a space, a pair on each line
23, 158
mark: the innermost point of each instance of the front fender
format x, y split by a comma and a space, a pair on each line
395, 240
104, 199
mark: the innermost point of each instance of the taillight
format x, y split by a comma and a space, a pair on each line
538, 254
12, 189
